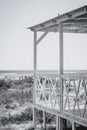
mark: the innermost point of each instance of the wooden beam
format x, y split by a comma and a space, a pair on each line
41, 38
65, 115
66, 30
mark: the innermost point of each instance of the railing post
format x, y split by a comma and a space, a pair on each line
61, 71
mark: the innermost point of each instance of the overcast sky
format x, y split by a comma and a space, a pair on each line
16, 42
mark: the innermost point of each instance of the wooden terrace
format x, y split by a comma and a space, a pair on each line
64, 95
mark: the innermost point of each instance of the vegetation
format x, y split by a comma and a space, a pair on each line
15, 96
26, 115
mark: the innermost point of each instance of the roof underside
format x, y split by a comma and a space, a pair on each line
73, 22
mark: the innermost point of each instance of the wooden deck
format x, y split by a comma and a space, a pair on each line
62, 114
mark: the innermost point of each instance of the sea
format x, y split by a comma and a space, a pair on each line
15, 74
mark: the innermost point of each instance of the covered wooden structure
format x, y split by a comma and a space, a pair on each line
72, 22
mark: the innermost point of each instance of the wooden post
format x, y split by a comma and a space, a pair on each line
57, 123
35, 63
61, 125
44, 120
60, 48
73, 126
34, 117
34, 67
61, 63
61, 71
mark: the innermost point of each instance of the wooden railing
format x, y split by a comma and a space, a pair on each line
74, 94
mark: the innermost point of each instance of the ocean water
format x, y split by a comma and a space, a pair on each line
16, 74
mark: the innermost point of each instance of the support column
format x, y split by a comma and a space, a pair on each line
60, 48
61, 124
34, 117
61, 63
61, 71
35, 63
34, 67
57, 123
44, 120
73, 126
